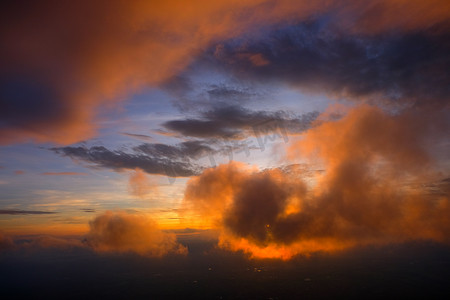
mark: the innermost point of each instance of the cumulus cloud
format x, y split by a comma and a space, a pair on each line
365, 194
117, 231
122, 232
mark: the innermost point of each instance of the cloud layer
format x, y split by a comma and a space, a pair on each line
62, 61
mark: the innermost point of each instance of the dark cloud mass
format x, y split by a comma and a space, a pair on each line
180, 160
151, 158
316, 56
184, 150
238, 122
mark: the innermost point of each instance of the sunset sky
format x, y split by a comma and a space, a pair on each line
276, 129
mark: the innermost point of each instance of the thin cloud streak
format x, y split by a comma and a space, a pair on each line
64, 174
25, 212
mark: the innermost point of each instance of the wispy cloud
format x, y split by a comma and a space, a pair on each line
25, 212
64, 173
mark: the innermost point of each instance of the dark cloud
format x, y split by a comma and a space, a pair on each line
24, 212
184, 150
180, 160
147, 157
223, 92
200, 128
236, 122
189, 94
439, 187
138, 136
400, 66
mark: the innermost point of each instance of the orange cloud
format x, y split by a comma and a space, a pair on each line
122, 232
69, 58
370, 191
140, 185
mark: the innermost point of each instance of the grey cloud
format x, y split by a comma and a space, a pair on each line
237, 122
224, 92
412, 67
151, 162
138, 136
184, 150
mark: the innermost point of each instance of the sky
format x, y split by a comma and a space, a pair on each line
272, 129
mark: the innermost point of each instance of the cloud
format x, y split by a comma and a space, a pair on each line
38, 242
181, 160
6, 243
185, 150
64, 173
190, 93
122, 232
53, 242
24, 212
138, 136
140, 185
410, 67
230, 122
223, 92
116, 231
61, 61
151, 161
365, 194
